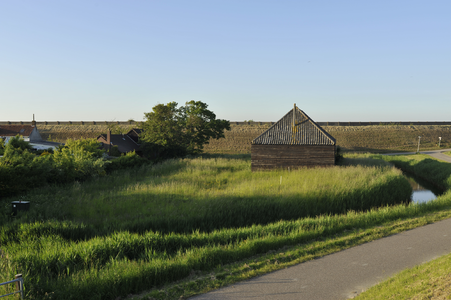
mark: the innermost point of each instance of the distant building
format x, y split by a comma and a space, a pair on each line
29, 133
294, 141
125, 142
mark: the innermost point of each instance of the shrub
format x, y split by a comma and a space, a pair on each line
129, 160
114, 151
75, 165
21, 170
87, 145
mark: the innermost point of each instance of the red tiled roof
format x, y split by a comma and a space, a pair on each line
13, 130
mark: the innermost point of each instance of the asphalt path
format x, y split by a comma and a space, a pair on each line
347, 273
434, 153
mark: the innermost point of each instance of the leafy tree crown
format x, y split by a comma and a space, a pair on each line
170, 131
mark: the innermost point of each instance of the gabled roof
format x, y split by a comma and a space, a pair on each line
136, 130
13, 130
134, 134
304, 131
123, 142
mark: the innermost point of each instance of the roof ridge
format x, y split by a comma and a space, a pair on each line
285, 132
318, 127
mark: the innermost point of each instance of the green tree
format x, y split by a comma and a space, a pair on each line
201, 125
171, 131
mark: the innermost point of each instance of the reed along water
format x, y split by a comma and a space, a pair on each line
422, 191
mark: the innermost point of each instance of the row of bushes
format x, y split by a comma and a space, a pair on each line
22, 169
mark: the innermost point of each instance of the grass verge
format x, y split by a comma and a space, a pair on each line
431, 280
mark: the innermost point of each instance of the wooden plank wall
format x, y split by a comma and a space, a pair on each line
267, 157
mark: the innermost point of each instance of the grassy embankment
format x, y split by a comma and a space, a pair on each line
376, 138
148, 227
390, 138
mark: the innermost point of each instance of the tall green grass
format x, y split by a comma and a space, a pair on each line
208, 194
153, 225
432, 170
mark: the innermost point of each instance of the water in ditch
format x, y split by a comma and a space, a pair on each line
422, 190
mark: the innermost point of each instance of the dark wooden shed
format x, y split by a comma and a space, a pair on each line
294, 141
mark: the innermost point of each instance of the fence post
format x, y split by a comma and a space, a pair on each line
19, 285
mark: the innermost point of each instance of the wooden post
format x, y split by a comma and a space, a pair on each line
19, 286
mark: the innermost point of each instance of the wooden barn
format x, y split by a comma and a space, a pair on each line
294, 141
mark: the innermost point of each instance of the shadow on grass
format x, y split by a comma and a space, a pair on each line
433, 171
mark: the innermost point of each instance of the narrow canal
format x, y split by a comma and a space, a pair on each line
422, 190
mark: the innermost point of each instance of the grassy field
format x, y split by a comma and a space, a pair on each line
188, 226
165, 231
152, 226
376, 138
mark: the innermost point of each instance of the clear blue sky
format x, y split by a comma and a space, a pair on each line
337, 60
